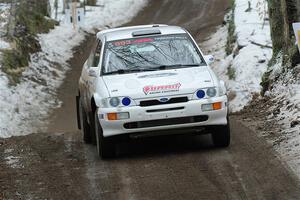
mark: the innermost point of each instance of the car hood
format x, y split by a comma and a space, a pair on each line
159, 83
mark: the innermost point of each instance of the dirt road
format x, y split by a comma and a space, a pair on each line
61, 166
58, 165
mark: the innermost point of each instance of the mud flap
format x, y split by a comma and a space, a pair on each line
77, 110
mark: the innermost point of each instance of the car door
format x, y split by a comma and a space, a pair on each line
93, 72
85, 77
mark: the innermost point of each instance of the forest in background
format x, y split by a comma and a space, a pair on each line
27, 18
30, 17
282, 14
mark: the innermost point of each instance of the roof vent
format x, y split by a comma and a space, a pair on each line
146, 32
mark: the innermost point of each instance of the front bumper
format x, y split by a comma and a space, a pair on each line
165, 117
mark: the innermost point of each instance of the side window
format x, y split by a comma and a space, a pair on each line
97, 55
94, 57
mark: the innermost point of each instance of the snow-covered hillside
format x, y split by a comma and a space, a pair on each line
249, 60
25, 106
285, 111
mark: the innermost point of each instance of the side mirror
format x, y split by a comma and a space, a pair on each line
209, 59
223, 87
92, 73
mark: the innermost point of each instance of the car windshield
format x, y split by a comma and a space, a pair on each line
150, 54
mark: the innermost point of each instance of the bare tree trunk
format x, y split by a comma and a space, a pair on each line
64, 6
276, 25
11, 20
282, 14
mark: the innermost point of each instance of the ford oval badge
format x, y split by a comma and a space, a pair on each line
164, 100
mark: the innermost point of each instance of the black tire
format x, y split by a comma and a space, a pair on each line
221, 136
85, 127
105, 146
92, 129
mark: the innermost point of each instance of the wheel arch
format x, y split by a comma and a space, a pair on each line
95, 102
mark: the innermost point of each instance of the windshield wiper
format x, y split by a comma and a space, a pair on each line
125, 71
163, 67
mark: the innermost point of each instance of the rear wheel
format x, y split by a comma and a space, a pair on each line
105, 146
85, 127
221, 136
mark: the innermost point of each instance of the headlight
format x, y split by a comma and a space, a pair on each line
126, 101
200, 94
211, 92
117, 102
114, 102
206, 93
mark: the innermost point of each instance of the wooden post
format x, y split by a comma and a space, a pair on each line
74, 14
56, 8
64, 6
84, 3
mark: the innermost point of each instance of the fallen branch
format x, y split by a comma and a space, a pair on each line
261, 45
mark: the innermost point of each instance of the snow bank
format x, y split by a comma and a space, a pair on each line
107, 13
249, 64
250, 59
285, 96
25, 106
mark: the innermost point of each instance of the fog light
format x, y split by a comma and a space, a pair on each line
217, 106
212, 106
207, 107
112, 116
124, 115
117, 116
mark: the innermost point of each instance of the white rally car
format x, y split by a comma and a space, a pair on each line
146, 81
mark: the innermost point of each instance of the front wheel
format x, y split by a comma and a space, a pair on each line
85, 127
105, 146
221, 135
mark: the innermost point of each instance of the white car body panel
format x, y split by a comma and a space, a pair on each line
191, 108
152, 85
132, 85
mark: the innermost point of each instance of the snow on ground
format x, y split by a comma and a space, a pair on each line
286, 111
12, 161
251, 60
249, 65
102, 15
25, 106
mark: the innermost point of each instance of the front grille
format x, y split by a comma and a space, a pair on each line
156, 102
164, 110
166, 122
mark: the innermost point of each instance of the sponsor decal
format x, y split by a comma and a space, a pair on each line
121, 43
161, 89
130, 42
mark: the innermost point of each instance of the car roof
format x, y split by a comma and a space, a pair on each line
128, 32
